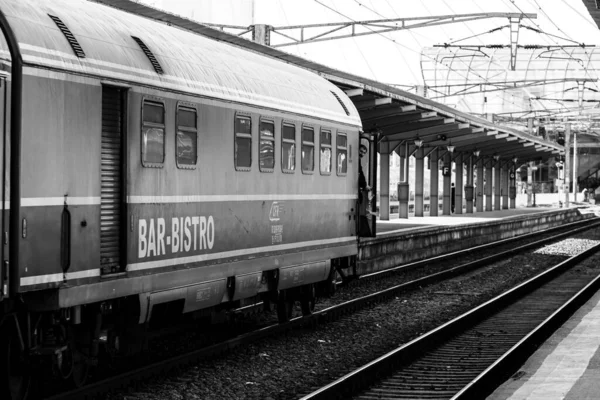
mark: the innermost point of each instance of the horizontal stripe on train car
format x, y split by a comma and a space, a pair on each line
56, 201
234, 253
85, 201
59, 201
49, 278
234, 197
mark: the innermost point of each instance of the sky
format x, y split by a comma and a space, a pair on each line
395, 58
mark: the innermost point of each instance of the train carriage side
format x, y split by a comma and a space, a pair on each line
153, 175
267, 204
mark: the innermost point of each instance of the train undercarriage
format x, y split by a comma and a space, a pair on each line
64, 346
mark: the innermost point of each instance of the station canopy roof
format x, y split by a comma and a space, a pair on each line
398, 116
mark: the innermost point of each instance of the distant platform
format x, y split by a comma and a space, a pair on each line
407, 240
399, 224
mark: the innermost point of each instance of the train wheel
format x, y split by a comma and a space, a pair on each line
285, 306
267, 305
269, 302
309, 299
75, 358
14, 371
81, 368
332, 281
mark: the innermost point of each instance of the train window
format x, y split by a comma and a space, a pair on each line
243, 143
325, 163
187, 137
266, 155
308, 149
153, 133
288, 148
342, 154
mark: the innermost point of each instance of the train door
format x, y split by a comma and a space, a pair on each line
112, 204
367, 207
4, 157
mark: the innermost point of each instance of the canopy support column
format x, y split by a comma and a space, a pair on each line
403, 186
469, 192
497, 184
384, 181
505, 190
480, 186
530, 185
488, 186
447, 176
419, 181
458, 197
433, 183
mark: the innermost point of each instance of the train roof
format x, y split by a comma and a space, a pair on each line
83, 37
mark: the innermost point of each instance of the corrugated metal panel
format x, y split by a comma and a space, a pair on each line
110, 205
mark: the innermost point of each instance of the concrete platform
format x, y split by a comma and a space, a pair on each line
566, 366
396, 224
402, 241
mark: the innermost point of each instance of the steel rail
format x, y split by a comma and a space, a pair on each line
365, 376
494, 375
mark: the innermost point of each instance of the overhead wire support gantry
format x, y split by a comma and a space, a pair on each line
493, 86
299, 34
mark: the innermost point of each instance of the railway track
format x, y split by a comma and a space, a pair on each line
469, 356
333, 313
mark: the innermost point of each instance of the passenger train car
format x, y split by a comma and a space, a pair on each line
149, 170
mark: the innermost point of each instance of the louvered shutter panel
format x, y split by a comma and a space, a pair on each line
110, 210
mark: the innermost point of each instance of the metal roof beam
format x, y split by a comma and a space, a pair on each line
402, 118
454, 136
494, 144
354, 92
423, 133
361, 105
385, 112
420, 124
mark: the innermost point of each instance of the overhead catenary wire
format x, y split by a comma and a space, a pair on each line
581, 15
457, 58
586, 71
458, 72
491, 31
474, 35
382, 16
560, 30
548, 37
385, 37
558, 44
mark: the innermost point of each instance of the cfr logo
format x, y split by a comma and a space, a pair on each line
276, 211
